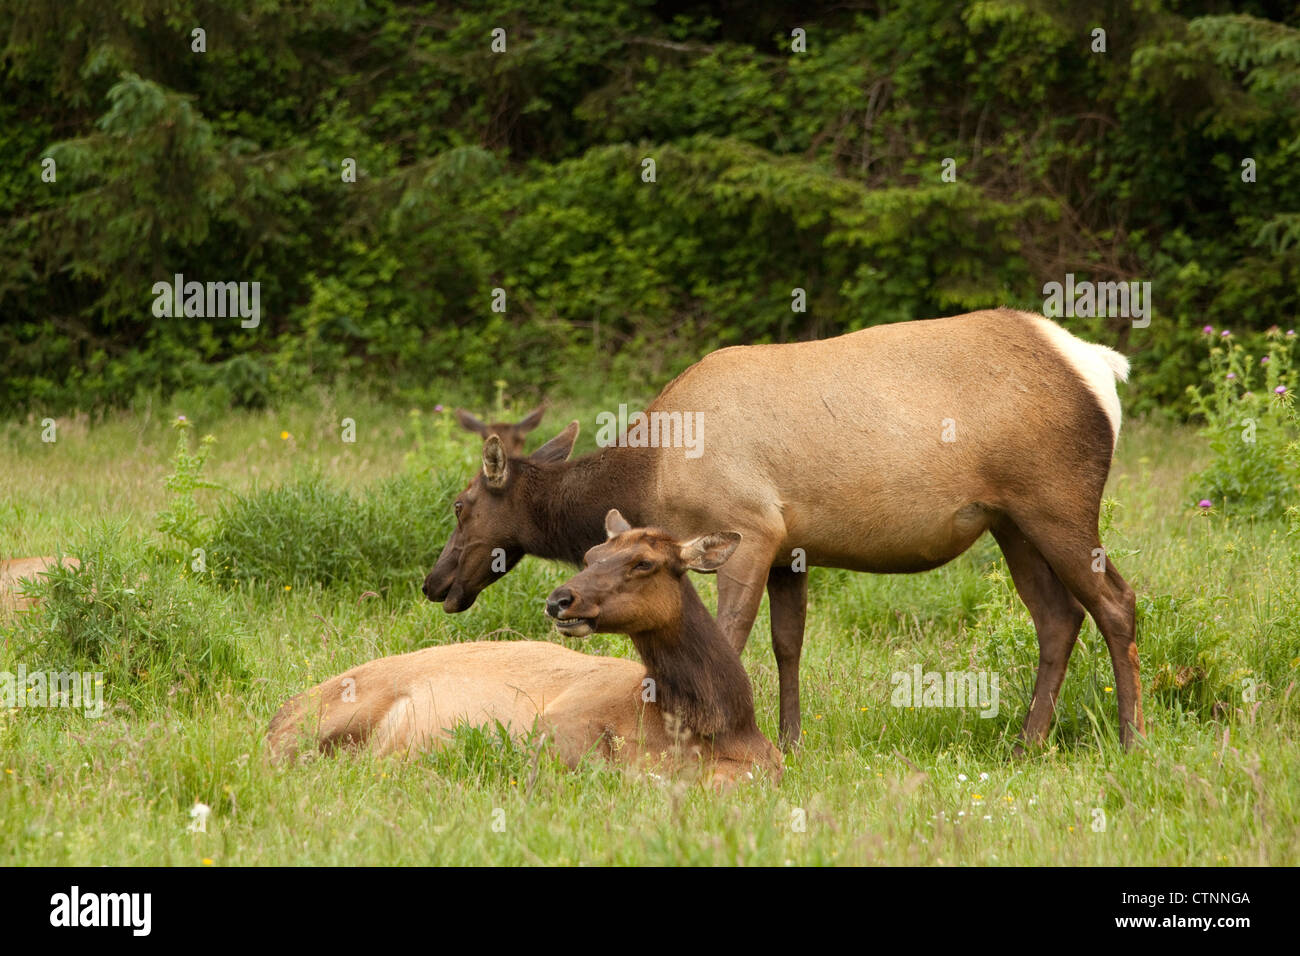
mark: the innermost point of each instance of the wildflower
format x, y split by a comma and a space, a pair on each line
288, 587
1280, 390
437, 408
199, 818
961, 777
284, 436
1205, 504
1224, 334
1264, 360
180, 418
1108, 689
1208, 330
1231, 376
984, 776
207, 861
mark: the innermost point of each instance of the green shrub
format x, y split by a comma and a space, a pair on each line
310, 531
1250, 421
154, 633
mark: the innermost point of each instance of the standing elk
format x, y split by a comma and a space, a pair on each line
512, 436
690, 702
891, 450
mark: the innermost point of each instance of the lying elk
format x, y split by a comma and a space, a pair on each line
691, 699
891, 449
14, 571
512, 436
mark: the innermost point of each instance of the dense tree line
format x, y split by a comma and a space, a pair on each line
891, 160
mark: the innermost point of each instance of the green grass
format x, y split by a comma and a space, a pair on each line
1215, 784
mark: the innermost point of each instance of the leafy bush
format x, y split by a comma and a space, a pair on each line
310, 531
154, 633
1250, 421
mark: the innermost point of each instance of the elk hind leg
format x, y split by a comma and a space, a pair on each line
1057, 617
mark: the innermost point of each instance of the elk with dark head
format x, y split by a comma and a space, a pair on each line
891, 449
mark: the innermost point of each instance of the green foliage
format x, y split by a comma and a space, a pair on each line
183, 520
156, 634
310, 531
1248, 407
521, 171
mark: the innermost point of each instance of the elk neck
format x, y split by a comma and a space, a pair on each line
568, 500
697, 673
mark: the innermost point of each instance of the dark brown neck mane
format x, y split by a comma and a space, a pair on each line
571, 498
698, 675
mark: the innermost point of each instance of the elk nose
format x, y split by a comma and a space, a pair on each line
559, 600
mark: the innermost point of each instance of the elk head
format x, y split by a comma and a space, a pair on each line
512, 436
493, 516
631, 584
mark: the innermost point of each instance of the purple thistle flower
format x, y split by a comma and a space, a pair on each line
1204, 503
1224, 334
1264, 360
437, 408
1290, 331
1280, 390
1231, 376
180, 418
1208, 330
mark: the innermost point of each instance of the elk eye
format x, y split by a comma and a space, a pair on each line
458, 507
644, 566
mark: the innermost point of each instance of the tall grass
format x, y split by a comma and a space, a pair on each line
309, 525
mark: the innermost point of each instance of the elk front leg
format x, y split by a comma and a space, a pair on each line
740, 590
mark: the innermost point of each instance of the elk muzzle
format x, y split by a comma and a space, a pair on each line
560, 607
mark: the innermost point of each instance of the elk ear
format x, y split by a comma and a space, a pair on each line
709, 551
530, 421
615, 523
470, 423
494, 462
558, 448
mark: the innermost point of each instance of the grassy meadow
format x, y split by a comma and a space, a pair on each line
317, 548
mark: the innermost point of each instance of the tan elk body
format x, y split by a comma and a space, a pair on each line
690, 703
891, 449
14, 571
